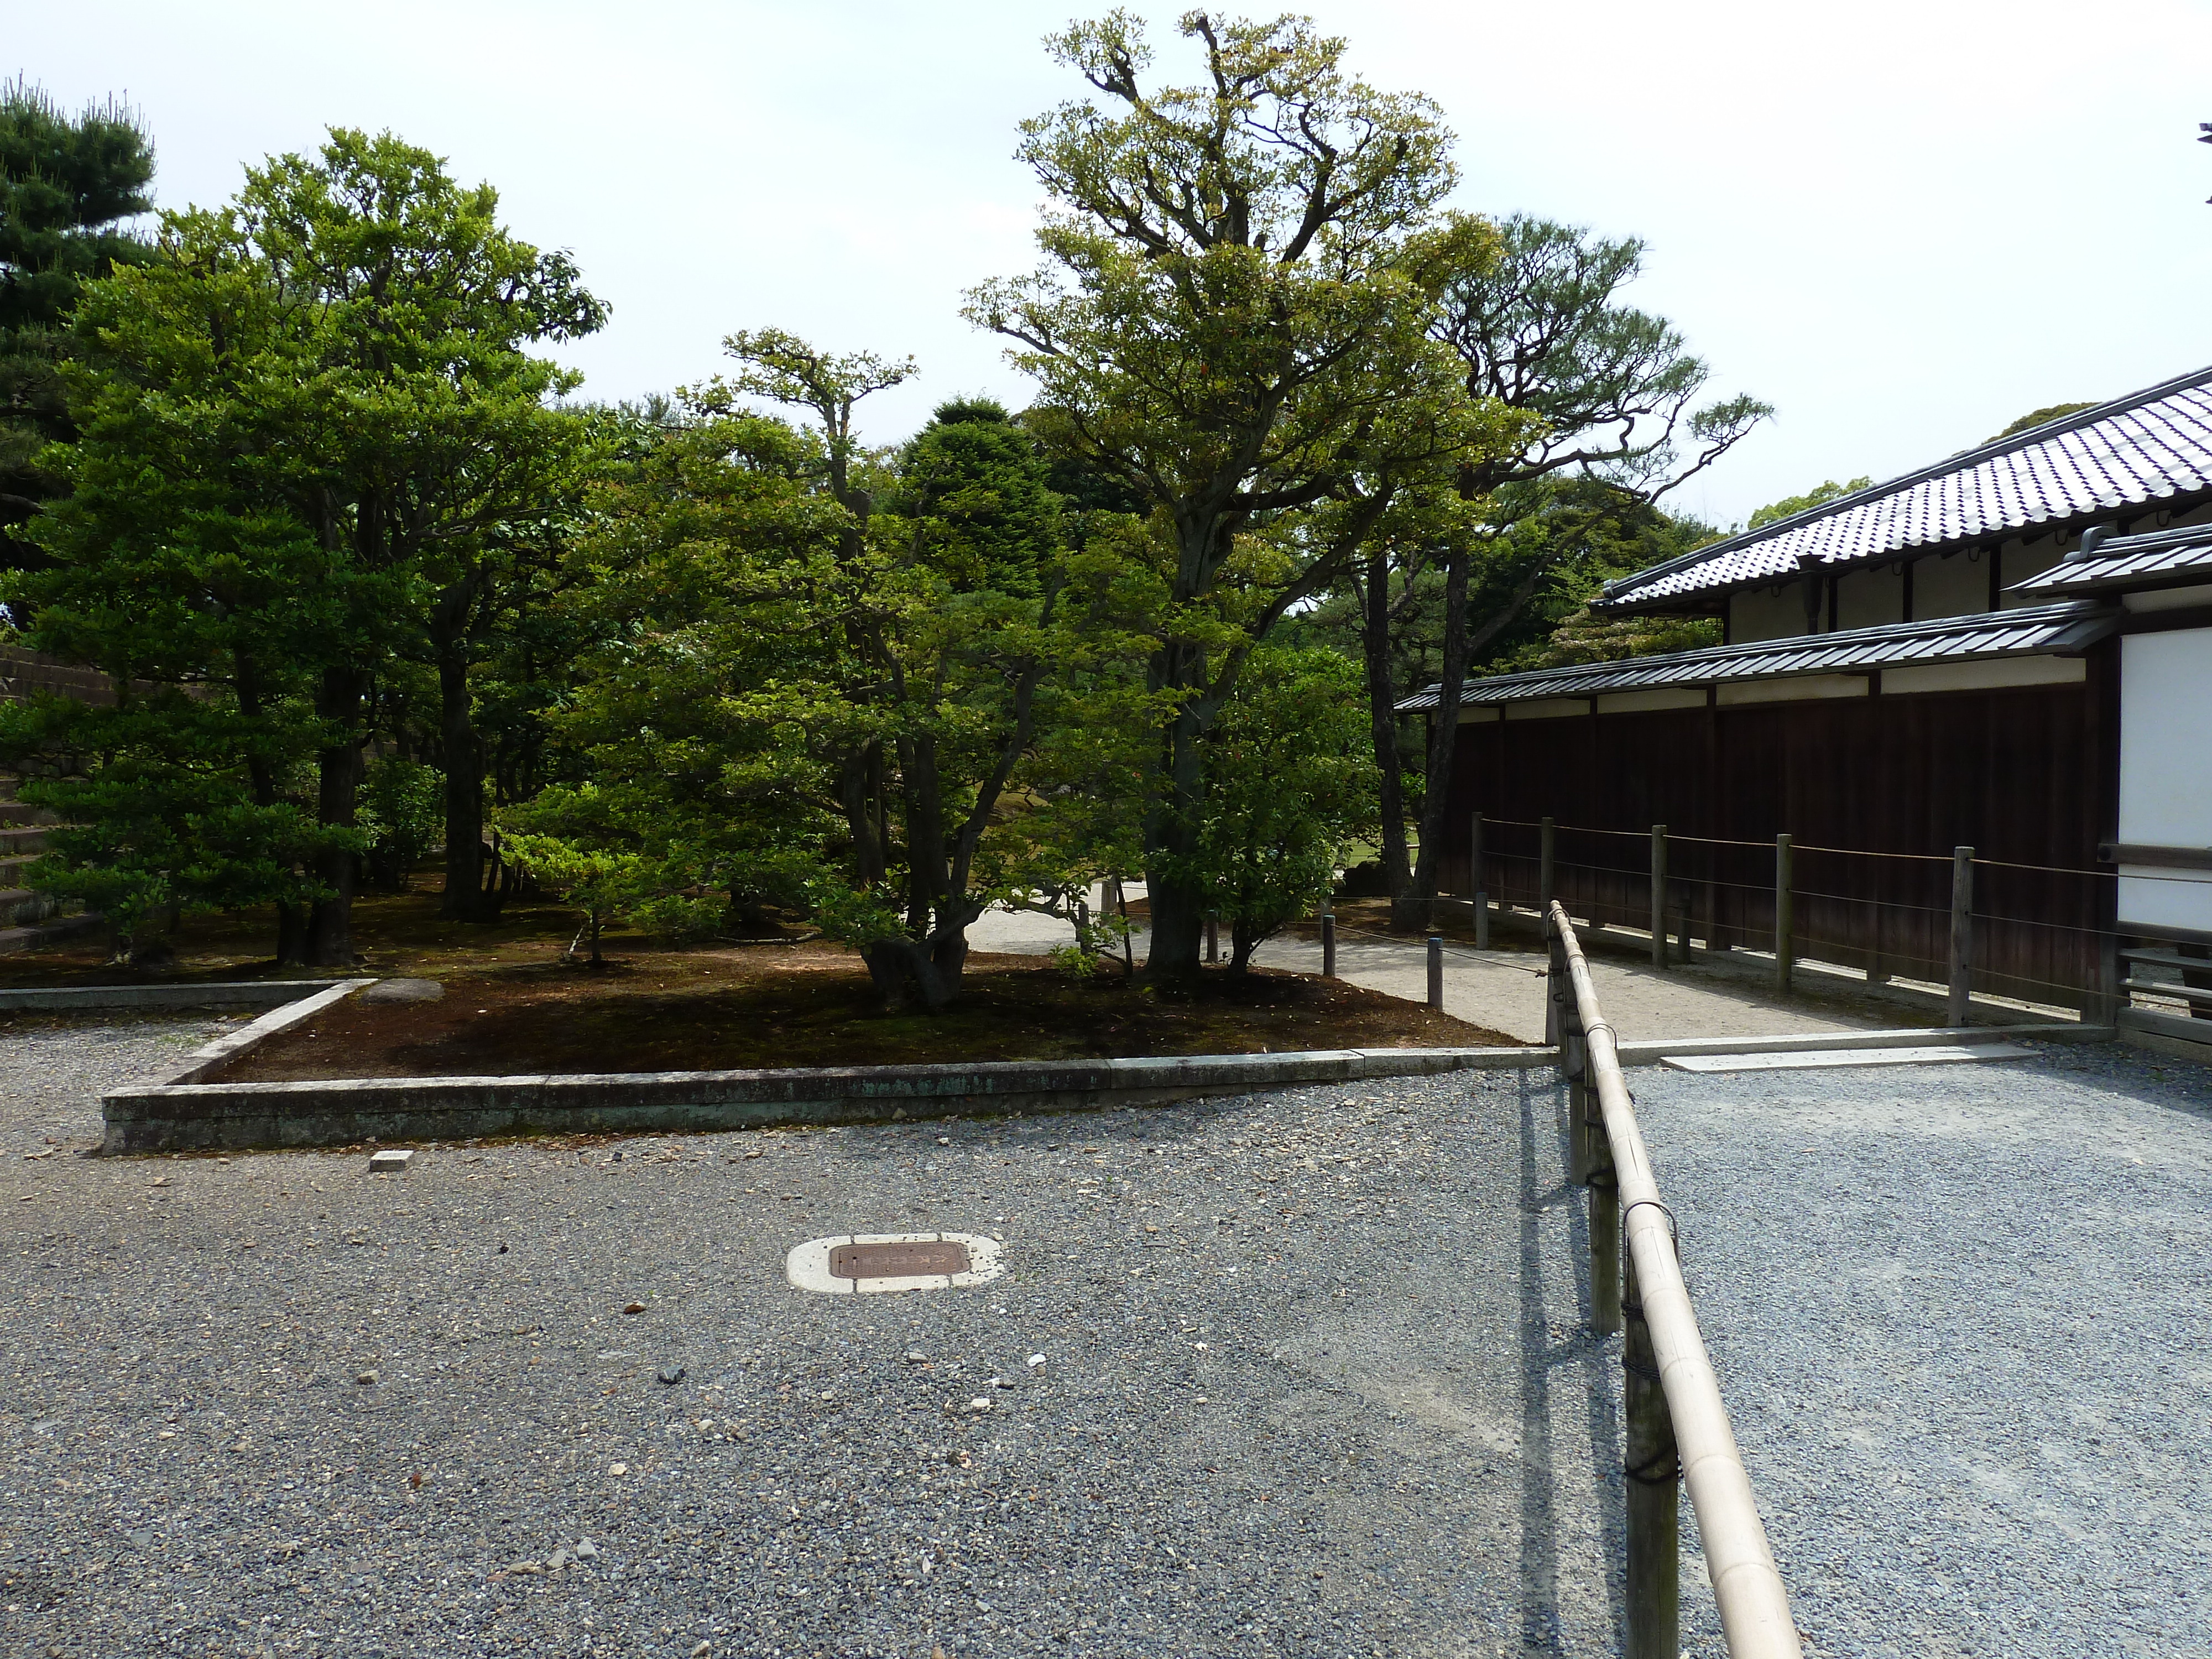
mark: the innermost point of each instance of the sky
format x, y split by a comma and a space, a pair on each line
1902, 224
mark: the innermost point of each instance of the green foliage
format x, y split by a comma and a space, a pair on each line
1291, 789
1817, 495
572, 840
402, 815
2036, 417
306, 420
1230, 326
68, 182
159, 815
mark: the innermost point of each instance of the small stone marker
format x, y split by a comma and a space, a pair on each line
404, 990
390, 1161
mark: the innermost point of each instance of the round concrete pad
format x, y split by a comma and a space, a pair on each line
404, 990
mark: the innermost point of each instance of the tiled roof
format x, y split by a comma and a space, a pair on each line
2157, 558
2146, 449
2025, 632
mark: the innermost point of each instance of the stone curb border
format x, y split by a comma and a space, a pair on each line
185, 1116
212, 1056
230, 993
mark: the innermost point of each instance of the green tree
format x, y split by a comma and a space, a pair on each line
68, 184
1227, 327
1818, 496
940, 600
1535, 317
1292, 789
312, 416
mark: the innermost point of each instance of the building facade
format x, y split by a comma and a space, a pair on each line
2001, 651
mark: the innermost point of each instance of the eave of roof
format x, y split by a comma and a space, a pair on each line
2157, 558
2152, 446
2039, 630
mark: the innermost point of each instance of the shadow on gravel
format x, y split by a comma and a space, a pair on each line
1542, 1355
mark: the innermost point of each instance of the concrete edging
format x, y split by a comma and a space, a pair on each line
182, 1116
230, 993
211, 1056
1912, 1036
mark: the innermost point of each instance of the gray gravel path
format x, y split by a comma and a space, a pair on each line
1962, 1316
1336, 1404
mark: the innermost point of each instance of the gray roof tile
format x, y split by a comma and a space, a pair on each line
2157, 558
2136, 451
2028, 631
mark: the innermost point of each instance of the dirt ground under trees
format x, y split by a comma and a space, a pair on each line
512, 1005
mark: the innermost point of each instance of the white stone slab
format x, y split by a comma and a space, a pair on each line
807, 1266
1806, 1059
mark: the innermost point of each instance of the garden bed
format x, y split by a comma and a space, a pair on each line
812, 1005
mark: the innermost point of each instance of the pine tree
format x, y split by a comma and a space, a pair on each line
67, 186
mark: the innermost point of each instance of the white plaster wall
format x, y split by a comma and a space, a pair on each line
1869, 599
1956, 585
1766, 613
2166, 787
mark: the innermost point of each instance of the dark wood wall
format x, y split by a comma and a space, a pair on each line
2023, 776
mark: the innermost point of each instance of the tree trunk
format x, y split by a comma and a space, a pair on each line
1243, 939
1382, 717
895, 964
330, 922
291, 918
1410, 909
1177, 907
466, 899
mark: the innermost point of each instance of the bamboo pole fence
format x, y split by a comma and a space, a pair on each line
1677, 1427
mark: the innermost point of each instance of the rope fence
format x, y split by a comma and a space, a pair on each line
1694, 886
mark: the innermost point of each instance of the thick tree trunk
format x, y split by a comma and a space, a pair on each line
1382, 717
896, 964
1178, 909
1410, 909
466, 899
330, 922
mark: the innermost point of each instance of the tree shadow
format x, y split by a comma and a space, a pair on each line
1543, 1188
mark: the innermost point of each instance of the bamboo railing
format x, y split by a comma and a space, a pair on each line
1677, 1429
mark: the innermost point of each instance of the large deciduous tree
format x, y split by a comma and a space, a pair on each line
1226, 325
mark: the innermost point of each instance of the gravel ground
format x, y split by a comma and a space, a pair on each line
1962, 1317
1314, 1384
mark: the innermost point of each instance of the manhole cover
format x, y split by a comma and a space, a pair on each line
898, 1260
863, 1263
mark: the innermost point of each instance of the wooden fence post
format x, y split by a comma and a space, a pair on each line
1435, 970
1475, 882
1962, 933
1478, 883
1555, 982
1212, 938
1658, 895
1604, 1184
1329, 944
1546, 834
1653, 1466
1785, 918
1574, 1067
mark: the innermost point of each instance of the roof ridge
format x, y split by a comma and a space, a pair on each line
1964, 461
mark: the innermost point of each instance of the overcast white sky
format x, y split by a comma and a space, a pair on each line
1904, 224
